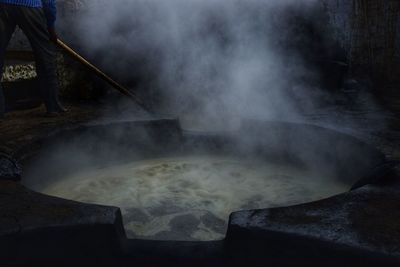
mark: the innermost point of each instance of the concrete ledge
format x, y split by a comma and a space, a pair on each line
39, 227
359, 228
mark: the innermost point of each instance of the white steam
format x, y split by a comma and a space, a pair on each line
214, 60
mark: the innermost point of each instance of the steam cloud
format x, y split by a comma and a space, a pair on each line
213, 60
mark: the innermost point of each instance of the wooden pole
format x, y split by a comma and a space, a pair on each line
101, 74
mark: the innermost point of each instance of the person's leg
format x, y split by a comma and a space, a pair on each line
33, 23
7, 28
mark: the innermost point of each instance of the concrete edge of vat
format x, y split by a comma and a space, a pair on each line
372, 161
351, 159
351, 228
382, 173
99, 129
10, 169
252, 248
36, 227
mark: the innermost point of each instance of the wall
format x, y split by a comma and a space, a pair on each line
370, 32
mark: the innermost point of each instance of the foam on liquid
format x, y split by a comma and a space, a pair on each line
191, 198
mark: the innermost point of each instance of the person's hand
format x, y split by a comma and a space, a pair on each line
53, 35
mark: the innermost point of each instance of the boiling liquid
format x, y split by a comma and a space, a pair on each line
191, 198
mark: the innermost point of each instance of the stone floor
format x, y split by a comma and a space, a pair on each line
20, 128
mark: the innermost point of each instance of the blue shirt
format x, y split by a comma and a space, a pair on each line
49, 7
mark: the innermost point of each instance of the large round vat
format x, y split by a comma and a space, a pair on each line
173, 184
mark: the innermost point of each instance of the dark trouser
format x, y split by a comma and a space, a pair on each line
32, 22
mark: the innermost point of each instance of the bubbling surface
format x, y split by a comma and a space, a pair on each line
190, 198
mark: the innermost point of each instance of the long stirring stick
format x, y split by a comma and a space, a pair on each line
101, 74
